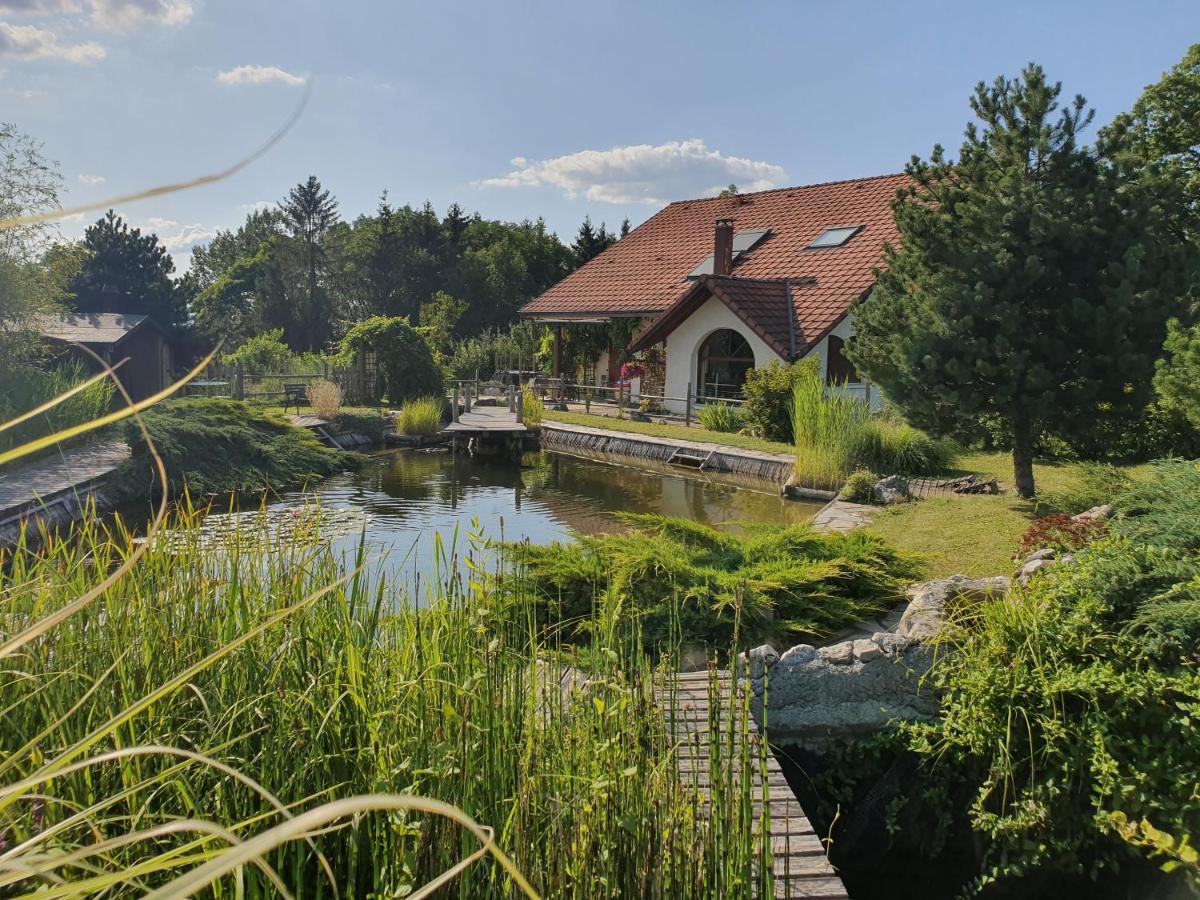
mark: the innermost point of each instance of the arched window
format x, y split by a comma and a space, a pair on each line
725, 358
838, 369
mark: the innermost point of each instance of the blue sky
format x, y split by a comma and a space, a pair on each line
519, 110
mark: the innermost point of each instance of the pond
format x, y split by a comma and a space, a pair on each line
403, 498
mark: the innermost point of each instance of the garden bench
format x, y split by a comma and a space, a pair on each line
296, 394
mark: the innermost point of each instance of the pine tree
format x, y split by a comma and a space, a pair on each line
1033, 281
625, 226
309, 212
590, 242
454, 228
126, 271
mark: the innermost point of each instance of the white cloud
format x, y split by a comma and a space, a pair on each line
25, 42
125, 15
256, 206
91, 179
258, 75
38, 7
642, 173
175, 237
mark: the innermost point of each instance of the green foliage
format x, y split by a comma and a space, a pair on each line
218, 446
532, 408
1177, 377
404, 363
826, 425
886, 443
250, 655
591, 242
1070, 708
859, 487
1094, 484
768, 392
26, 387
1033, 279
438, 318
676, 577
262, 354
126, 271
422, 416
720, 417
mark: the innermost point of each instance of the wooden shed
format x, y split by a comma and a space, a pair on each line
143, 345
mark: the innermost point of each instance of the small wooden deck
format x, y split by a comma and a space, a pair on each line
486, 420
799, 865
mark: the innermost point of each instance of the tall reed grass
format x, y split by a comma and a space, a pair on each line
826, 425
325, 398
533, 410
422, 416
25, 387
252, 696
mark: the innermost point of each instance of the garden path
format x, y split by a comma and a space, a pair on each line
842, 516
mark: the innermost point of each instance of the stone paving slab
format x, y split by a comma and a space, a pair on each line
24, 483
840, 515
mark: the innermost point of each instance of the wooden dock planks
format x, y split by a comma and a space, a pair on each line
799, 865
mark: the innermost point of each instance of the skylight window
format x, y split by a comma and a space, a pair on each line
835, 237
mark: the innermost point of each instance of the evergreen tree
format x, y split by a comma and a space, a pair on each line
309, 212
590, 242
1033, 281
454, 228
625, 226
125, 271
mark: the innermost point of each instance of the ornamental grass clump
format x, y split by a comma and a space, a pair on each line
532, 408
325, 398
669, 576
826, 425
722, 417
421, 417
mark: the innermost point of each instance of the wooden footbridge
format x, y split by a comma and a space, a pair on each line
478, 419
799, 866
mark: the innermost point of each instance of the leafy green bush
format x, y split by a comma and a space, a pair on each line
422, 416
859, 487
680, 580
211, 445
1070, 708
24, 387
722, 417
768, 408
404, 364
890, 445
262, 353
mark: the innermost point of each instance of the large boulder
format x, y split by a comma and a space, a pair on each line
855, 687
930, 602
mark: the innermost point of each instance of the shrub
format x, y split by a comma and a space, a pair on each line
1070, 709
325, 398
1062, 533
717, 416
892, 446
404, 364
422, 416
262, 353
859, 487
768, 408
826, 424
532, 408
211, 445
679, 580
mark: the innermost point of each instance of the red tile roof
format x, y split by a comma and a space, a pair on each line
645, 273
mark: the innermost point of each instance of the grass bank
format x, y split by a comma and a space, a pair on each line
674, 432
252, 657
218, 446
978, 535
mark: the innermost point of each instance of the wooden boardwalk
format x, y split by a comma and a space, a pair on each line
486, 420
799, 865
26, 485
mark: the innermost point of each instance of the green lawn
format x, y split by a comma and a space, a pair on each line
677, 432
975, 535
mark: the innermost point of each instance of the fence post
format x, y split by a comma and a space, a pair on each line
454, 404
512, 400
467, 397
687, 407
239, 383
587, 400
520, 405
620, 399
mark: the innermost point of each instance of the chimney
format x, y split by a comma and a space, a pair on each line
723, 247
